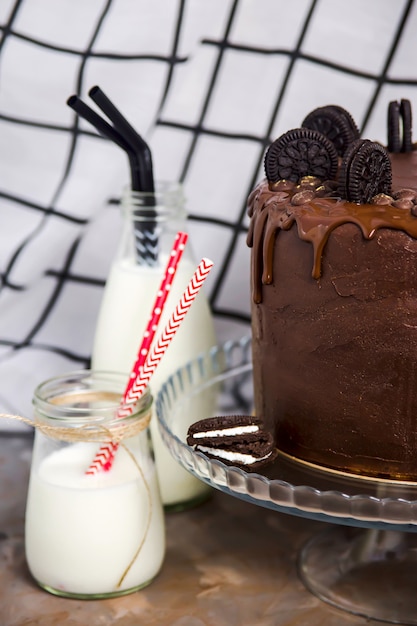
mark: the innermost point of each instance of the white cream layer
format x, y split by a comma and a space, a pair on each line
228, 432
245, 459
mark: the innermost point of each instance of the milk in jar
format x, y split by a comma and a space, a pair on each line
91, 536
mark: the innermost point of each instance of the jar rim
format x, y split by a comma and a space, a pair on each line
166, 202
168, 187
79, 383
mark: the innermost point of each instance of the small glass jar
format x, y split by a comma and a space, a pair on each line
92, 535
150, 224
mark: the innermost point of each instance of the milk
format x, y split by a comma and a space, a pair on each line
82, 532
127, 302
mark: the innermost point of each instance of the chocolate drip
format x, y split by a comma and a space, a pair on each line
272, 211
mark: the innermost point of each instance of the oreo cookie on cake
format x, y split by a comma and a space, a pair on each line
234, 440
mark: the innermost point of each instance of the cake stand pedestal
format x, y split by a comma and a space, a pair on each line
365, 562
371, 572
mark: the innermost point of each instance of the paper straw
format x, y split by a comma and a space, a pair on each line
103, 127
105, 457
145, 230
157, 309
139, 154
158, 351
106, 130
129, 134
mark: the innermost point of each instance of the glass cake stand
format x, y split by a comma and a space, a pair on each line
366, 561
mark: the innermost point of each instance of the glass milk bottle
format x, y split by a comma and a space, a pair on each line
150, 224
101, 533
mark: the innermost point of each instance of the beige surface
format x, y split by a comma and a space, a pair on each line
228, 563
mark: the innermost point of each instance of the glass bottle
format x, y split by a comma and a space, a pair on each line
150, 224
100, 535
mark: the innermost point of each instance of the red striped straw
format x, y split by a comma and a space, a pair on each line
105, 457
161, 296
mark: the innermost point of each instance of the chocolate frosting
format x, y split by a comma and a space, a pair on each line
276, 207
334, 335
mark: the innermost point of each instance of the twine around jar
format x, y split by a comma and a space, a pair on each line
114, 431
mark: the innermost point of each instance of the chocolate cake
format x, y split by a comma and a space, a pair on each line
333, 232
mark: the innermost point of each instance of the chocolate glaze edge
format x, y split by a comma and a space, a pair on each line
272, 210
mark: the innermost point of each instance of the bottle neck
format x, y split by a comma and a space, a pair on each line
151, 221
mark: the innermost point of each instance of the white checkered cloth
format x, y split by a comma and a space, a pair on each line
209, 83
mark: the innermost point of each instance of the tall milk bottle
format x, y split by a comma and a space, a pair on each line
150, 224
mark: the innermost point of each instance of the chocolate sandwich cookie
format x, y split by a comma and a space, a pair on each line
393, 125
237, 440
406, 116
335, 123
365, 172
300, 152
400, 126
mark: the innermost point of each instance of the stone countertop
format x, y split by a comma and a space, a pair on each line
228, 563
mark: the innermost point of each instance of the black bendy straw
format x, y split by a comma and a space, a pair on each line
140, 162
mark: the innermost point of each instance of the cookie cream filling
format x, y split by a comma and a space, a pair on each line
228, 432
245, 459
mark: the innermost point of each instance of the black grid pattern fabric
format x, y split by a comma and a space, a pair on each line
209, 83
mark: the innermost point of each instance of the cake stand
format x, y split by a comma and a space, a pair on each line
366, 561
